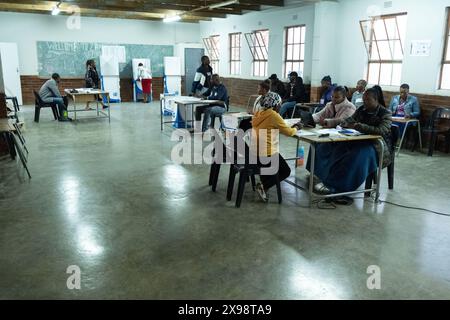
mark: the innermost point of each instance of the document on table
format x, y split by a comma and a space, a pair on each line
331, 132
291, 122
348, 132
305, 133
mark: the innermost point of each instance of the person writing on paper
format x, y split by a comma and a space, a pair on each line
404, 105
267, 122
357, 97
92, 80
202, 79
220, 95
145, 77
335, 111
327, 91
343, 167
49, 93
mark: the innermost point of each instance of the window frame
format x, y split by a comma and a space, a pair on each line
445, 51
286, 44
213, 50
235, 62
258, 49
373, 41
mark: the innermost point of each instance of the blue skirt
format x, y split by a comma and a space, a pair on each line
343, 167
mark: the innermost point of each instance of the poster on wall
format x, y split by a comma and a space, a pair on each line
420, 48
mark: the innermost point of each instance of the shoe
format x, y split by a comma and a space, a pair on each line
261, 192
105, 107
64, 119
321, 188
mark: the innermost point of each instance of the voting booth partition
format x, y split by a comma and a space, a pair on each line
137, 85
110, 80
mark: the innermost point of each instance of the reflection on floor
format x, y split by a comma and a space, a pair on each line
108, 198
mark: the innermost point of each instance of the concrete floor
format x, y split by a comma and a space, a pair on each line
108, 198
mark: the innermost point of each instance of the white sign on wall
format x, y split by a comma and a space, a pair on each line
420, 48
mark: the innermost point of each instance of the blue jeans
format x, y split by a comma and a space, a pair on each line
285, 107
61, 106
211, 112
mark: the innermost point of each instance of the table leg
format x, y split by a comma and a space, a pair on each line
296, 153
311, 177
74, 108
161, 111
185, 116
380, 168
420, 134
109, 108
403, 136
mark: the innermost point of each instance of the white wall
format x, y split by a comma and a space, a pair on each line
275, 21
426, 21
25, 29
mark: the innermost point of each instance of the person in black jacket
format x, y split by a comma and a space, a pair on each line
277, 86
202, 80
92, 81
296, 93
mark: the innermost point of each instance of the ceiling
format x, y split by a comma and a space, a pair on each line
190, 10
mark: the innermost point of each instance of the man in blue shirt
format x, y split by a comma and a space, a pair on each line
327, 92
202, 79
219, 93
405, 105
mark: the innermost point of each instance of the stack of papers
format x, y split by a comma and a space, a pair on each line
350, 132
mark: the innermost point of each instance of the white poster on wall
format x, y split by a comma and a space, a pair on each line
420, 48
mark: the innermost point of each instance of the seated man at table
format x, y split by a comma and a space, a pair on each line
218, 93
49, 93
295, 93
267, 122
335, 111
357, 97
344, 166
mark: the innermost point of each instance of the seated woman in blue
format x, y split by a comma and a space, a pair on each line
344, 166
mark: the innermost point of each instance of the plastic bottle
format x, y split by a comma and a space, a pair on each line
300, 156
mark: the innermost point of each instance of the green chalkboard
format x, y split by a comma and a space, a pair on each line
69, 58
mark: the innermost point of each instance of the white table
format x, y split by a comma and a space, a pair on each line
311, 136
185, 102
88, 95
407, 122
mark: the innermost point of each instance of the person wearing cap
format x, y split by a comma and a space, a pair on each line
296, 93
357, 97
276, 85
266, 124
327, 92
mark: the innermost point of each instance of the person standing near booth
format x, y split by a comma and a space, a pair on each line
145, 77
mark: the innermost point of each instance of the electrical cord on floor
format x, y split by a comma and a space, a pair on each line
410, 207
330, 204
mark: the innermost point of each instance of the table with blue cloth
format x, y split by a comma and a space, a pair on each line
343, 167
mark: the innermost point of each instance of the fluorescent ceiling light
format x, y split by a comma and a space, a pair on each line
56, 10
172, 18
223, 4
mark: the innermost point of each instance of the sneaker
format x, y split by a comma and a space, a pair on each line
322, 189
261, 192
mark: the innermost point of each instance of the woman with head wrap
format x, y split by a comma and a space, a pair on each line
267, 124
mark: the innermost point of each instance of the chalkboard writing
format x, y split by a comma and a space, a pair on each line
69, 58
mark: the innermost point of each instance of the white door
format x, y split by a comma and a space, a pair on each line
11, 72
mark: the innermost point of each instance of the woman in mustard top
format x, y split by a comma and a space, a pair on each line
267, 124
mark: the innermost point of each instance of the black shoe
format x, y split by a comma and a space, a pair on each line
105, 107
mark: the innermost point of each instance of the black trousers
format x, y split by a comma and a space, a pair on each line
284, 172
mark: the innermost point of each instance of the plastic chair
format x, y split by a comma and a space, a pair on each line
433, 128
38, 104
395, 134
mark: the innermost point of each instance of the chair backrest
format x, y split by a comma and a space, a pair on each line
251, 102
438, 114
38, 99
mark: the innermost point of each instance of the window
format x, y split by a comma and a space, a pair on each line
384, 38
212, 46
258, 42
445, 72
294, 56
235, 53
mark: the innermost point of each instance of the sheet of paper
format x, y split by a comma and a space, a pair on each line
305, 133
331, 132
